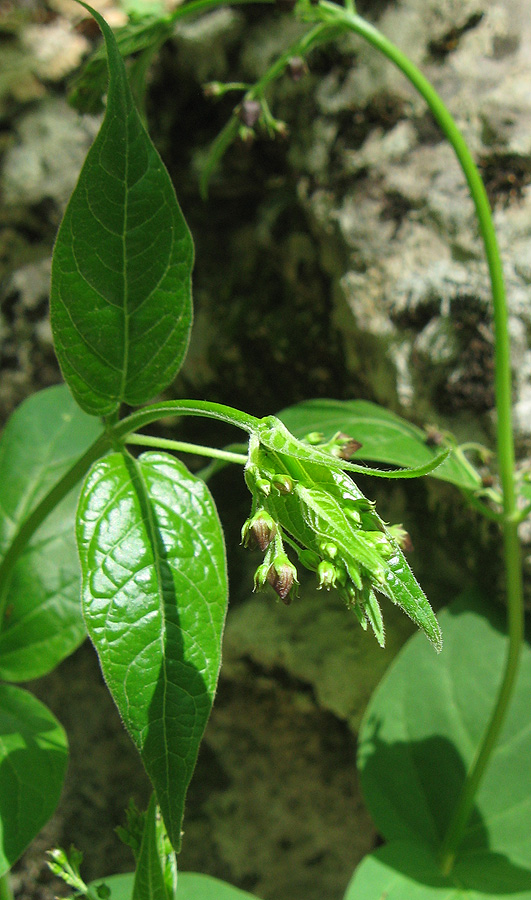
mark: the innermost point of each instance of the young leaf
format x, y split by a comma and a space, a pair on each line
154, 599
149, 877
420, 734
33, 758
43, 621
384, 436
121, 297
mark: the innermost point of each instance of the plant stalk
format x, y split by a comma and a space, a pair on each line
5, 888
331, 13
146, 440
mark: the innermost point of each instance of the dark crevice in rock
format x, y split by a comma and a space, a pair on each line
449, 41
505, 176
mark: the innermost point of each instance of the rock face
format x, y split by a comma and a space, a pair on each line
343, 262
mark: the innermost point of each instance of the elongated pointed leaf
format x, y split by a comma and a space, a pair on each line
121, 296
154, 598
43, 621
422, 729
409, 871
384, 436
33, 758
149, 878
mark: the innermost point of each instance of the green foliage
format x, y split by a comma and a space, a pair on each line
433, 722
154, 600
384, 436
33, 757
333, 528
451, 797
120, 297
42, 618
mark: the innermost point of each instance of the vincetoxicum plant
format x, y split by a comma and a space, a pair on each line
445, 793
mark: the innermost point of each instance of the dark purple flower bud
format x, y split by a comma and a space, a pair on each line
283, 483
282, 577
249, 112
297, 68
259, 531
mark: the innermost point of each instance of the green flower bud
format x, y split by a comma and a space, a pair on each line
327, 575
260, 576
283, 483
328, 549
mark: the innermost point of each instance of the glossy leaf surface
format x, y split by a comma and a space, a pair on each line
33, 758
409, 871
154, 598
43, 621
385, 437
423, 726
121, 296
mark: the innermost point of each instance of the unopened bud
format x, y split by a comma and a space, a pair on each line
314, 438
327, 575
402, 537
213, 89
282, 577
249, 112
297, 68
260, 576
328, 549
258, 531
283, 483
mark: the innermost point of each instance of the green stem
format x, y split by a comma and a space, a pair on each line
331, 13
115, 433
149, 414
5, 888
198, 6
147, 440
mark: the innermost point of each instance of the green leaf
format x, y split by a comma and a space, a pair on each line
409, 871
121, 293
190, 887
33, 758
422, 729
43, 622
385, 437
154, 598
149, 878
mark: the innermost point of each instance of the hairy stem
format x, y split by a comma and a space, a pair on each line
330, 12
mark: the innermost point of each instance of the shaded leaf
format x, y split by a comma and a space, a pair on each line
43, 621
422, 729
33, 758
154, 598
409, 871
385, 437
121, 293
190, 887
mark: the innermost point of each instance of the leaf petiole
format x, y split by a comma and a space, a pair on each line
147, 440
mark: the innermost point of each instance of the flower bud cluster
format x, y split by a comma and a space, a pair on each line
319, 512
